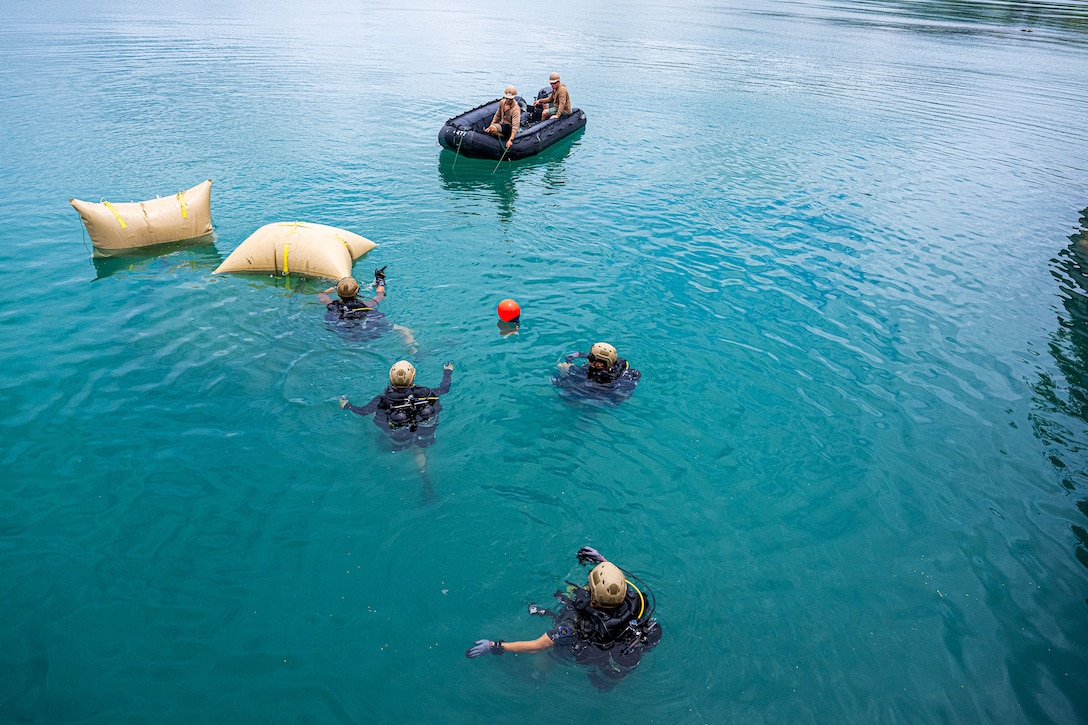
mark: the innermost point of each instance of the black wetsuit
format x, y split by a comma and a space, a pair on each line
356, 319
612, 385
407, 414
612, 639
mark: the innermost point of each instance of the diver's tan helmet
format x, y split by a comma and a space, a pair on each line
604, 351
607, 587
402, 374
347, 288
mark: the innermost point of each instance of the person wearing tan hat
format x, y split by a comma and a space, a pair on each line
558, 102
362, 320
604, 366
608, 623
606, 379
507, 120
349, 307
408, 413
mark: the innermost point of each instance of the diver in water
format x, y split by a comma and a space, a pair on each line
349, 307
608, 623
357, 319
407, 412
606, 376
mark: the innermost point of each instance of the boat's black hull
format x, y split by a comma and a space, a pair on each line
465, 135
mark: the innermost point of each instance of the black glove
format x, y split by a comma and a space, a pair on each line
379, 277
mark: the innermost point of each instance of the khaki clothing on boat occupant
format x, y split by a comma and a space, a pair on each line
559, 98
508, 112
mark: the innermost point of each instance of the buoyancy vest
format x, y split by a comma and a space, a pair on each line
410, 407
608, 375
614, 639
351, 309
601, 627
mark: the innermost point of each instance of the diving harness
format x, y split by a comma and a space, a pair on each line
412, 412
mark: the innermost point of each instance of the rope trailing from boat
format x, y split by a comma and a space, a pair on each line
501, 157
459, 142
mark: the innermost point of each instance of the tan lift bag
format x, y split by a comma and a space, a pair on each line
313, 250
115, 227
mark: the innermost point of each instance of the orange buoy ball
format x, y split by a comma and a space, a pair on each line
509, 310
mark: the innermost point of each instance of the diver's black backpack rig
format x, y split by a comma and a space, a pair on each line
616, 656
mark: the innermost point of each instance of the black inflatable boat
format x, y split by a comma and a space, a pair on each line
465, 135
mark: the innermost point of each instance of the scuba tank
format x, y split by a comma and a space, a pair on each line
639, 638
411, 412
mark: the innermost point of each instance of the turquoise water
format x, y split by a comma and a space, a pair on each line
842, 241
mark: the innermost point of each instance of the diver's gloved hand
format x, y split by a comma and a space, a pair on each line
483, 646
379, 277
343, 401
587, 554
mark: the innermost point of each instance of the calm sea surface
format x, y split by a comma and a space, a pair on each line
845, 243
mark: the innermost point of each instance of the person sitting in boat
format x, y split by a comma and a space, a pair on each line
608, 623
507, 120
557, 103
359, 320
